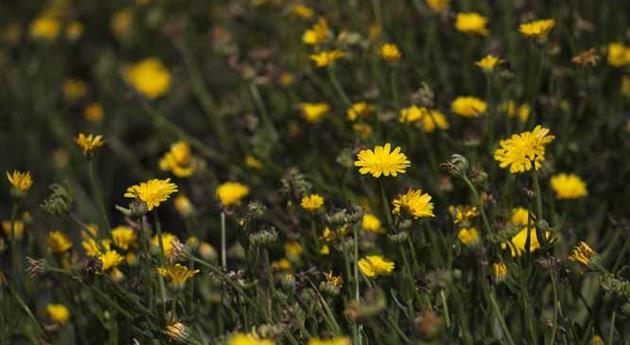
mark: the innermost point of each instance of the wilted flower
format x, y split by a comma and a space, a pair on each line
523, 151
471, 23
586, 58
390, 52
89, 142
382, 161
231, 193
468, 106
582, 253
537, 29
152, 192
120, 22
373, 266
149, 77
414, 202
312, 202
568, 186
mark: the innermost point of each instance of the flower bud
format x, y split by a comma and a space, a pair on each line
457, 165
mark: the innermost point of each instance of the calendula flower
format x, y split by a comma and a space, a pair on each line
415, 203
437, 6
183, 205
462, 214
74, 89
373, 266
359, 110
293, 249
178, 160
390, 52
302, 11
471, 23
111, 259
93, 112
582, 253
500, 271
58, 313
382, 161
124, 237
248, 339
253, 162
58, 242
326, 57
333, 341
168, 243
517, 243
488, 62
468, 106
618, 54
149, 77
178, 274
21, 181
317, 34
312, 202
512, 110
371, 223
89, 143
568, 186
520, 216
120, 22
152, 192
314, 112
45, 28
231, 193
519, 151
537, 28
468, 236
10, 229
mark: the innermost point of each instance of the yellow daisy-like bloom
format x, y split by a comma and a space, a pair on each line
371, 223
312, 202
93, 112
45, 28
317, 34
177, 274
248, 339
20, 180
302, 11
178, 160
324, 250
58, 242
120, 22
390, 52
314, 112
412, 114
462, 214
519, 216
537, 28
510, 108
231, 193
471, 23
333, 341
468, 236
359, 110
521, 149
16, 227
618, 54
373, 266
152, 192
58, 313
293, 249
417, 204
74, 89
500, 271
110, 259
468, 106
382, 161
253, 162
89, 142
429, 119
168, 241
568, 186
183, 205
149, 77
93, 248
582, 253
517, 243
124, 237
327, 57
437, 6
488, 62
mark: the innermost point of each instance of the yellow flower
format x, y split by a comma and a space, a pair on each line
168, 242
363, 130
568, 186
415, 203
110, 259
281, 265
371, 223
336, 281
74, 30
149, 77
312, 202
373, 266
302, 11
359, 110
248, 339
16, 227
324, 250
74, 89
231, 193
468, 106
45, 28
124, 237
537, 28
390, 52
21, 181
89, 142
317, 34
412, 114
58, 243
517, 243
178, 160
177, 274
519, 216
430, 119
374, 31
314, 112
462, 214
597, 340
521, 149
293, 249
177, 332
93, 112
468, 236
333, 341
327, 57
120, 22
488, 62
510, 108
438, 6
500, 271
183, 205
253, 162
582, 253
58, 313
382, 161
471, 23
152, 192
618, 55
93, 248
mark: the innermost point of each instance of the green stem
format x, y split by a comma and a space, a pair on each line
554, 328
98, 195
223, 249
611, 331
357, 294
484, 217
497, 311
338, 88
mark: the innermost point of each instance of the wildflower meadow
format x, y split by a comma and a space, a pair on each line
315, 172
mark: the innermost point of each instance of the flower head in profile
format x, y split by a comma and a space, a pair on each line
149, 77
463, 214
472, 23
583, 254
312, 202
468, 236
359, 110
178, 160
58, 242
58, 313
124, 237
371, 223
390, 52
512, 110
415, 203
438, 6
382, 161
152, 192
517, 244
537, 28
178, 274
373, 266
21, 181
468, 106
523, 151
314, 112
499, 271
248, 339
317, 34
568, 186
488, 63
332, 341
231, 193
89, 142
327, 57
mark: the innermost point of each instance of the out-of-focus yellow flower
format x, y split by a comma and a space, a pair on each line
618, 54
293, 249
373, 266
45, 28
248, 339
178, 274
89, 142
312, 202
582, 253
183, 205
371, 223
511, 109
58, 242
568, 186
120, 23
333, 341
382, 161
74, 89
302, 11
324, 250
412, 114
597, 340
317, 34
390, 52
429, 119
281, 265
149, 77
178, 160
500, 271
471, 23
438, 6
488, 62
363, 130
58, 313
462, 214
74, 30
314, 112
111, 259
537, 28
21, 181
124, 237
207, 251
517, 243
93, 248
359, 110
374, 31
468, 236
519, 216
152, 192
93, 112
169, 241
416, 203
231, 193
521, 149
326, 57
16, 228
468, 106
253, 162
